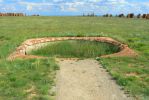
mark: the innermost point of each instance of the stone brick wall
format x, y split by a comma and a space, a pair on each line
12, 14
24, 47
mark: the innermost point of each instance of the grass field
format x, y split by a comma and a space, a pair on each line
131, 73
27, 79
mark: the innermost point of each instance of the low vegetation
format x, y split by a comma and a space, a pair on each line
27, 79
76, 48
131, 73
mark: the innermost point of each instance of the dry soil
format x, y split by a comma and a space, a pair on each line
86, 80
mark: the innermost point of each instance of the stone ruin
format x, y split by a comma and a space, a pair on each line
107, 15
30, 44
121, 15
131, 15
12, 14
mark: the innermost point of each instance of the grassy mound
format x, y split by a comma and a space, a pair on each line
76, 48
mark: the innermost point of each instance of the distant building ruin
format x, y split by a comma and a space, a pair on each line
121, 15
131, 15
145, 16
139, 16
12, 14
89, 14
35, 15
107, 15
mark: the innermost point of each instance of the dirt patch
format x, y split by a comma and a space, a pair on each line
31, 92
21, 51
132, 74
86, 80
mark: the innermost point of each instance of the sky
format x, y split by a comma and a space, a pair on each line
74, 7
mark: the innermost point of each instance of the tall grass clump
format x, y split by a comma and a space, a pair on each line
76, 48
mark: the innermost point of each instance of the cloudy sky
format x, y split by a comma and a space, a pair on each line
74, 7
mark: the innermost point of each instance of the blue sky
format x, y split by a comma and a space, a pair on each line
74, 7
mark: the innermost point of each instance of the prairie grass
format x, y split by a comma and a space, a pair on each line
76, 48
131, 75
134, 32
22, 78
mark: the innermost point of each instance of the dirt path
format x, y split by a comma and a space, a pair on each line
86, 80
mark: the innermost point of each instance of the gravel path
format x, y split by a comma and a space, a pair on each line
86, 80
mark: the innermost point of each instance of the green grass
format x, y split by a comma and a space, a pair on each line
76, 48
21, 78
134, 32
131, 75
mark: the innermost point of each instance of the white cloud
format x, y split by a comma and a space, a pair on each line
8, 8
81, 6
35, 4
30, 6
146, 4
72, 9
